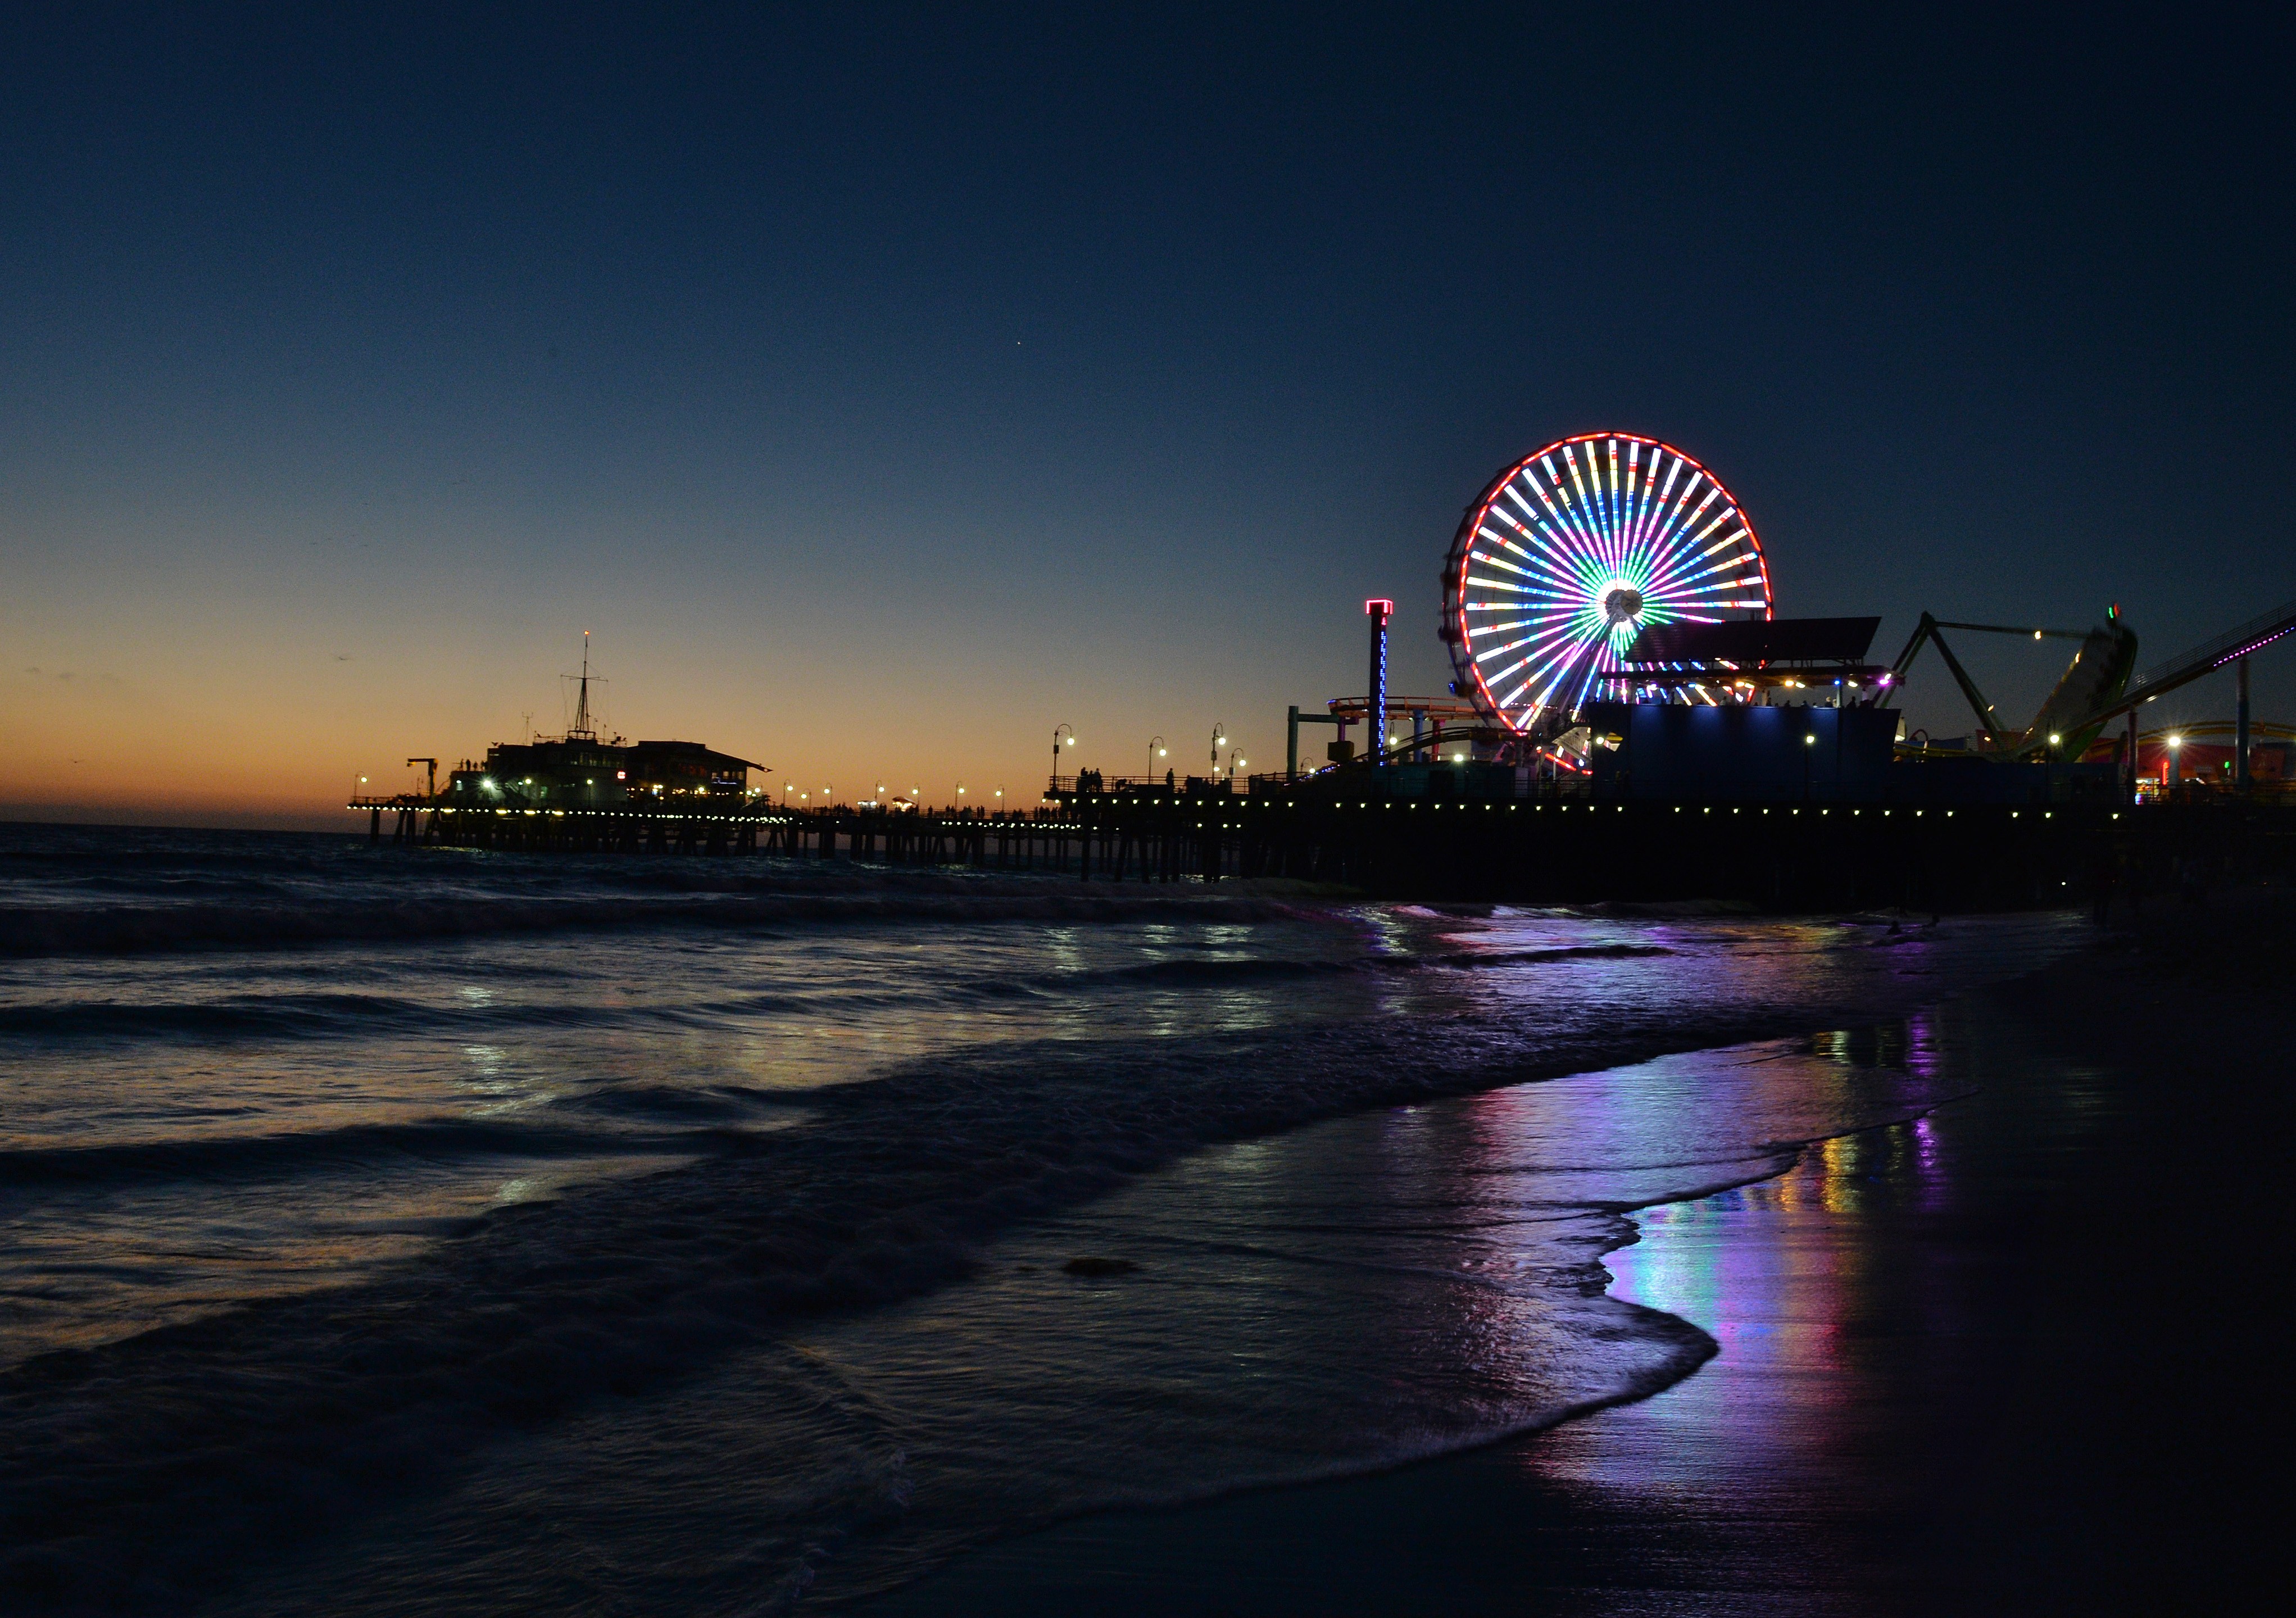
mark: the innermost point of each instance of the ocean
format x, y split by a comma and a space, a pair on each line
409, 1231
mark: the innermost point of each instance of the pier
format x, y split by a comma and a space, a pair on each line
1753, 760
1554, 842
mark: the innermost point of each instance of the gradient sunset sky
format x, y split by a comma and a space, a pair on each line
884, 385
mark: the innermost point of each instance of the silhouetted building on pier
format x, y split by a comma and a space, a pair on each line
586, 772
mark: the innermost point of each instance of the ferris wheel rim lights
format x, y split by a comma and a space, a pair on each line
1547, 570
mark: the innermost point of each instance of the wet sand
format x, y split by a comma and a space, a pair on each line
2021, 1355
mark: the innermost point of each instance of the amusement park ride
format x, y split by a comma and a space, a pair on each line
1570, 554
2068, 721
1608, 572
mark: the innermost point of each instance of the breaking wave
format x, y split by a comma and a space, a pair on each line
1213, 972
226, 1157
36, 930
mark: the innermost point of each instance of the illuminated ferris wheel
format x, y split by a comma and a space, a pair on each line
1573, 550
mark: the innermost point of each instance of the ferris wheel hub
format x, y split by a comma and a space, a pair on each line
1623, 604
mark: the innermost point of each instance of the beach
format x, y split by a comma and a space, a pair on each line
399, 1234
2021, 1354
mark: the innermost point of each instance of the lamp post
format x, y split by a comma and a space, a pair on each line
1056, 750
1155, 752
1219, 740
2169, 771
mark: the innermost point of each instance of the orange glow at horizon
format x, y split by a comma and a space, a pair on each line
251, 712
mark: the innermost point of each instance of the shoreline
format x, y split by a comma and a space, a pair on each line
1957, 1356
422, 1362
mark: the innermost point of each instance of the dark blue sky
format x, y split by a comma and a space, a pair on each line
886, 385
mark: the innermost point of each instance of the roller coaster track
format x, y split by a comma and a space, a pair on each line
2205, 658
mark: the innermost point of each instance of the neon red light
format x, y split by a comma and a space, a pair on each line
1381, 606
